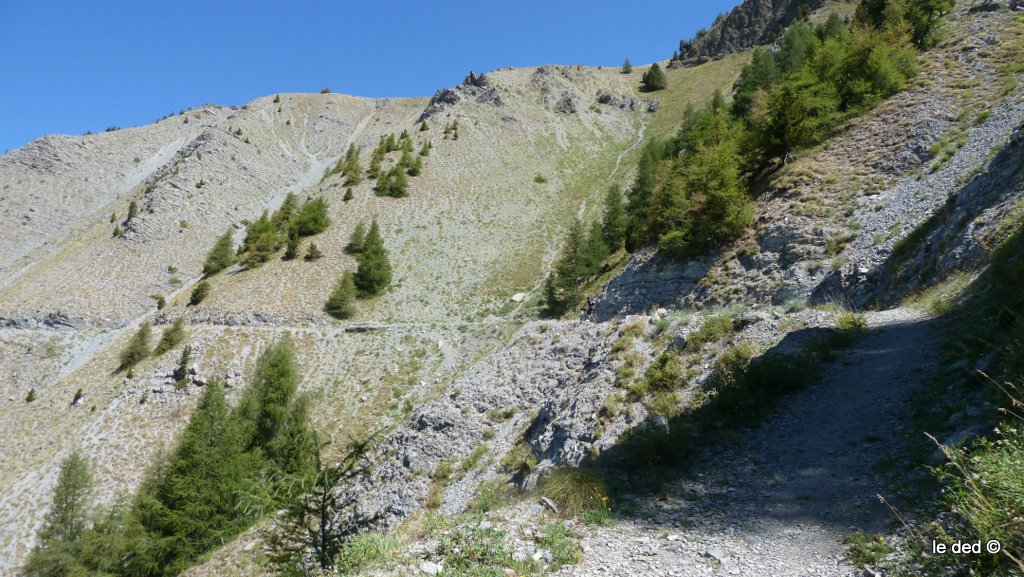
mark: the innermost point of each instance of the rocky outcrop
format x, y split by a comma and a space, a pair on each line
475, 87
752, 23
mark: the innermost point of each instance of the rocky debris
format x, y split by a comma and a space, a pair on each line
965, 215
752, 23
653, 105
54, 320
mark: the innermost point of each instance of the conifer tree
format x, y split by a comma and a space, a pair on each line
199, 293
221, 256
341, 302
351, 167
138, 347
312, 218
172, 337
627, 67
425, 149
133, 210
284, 214
416, 167
357, 240
262, 240
654, 79
374, 272
595, 251
59, 543
291, 248
183, 362
349, 195
423, 126
615, 219
313, 252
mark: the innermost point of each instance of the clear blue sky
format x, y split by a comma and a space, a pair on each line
72, 66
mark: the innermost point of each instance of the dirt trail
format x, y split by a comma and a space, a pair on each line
780, 500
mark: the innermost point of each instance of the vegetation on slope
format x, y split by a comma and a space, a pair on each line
189, 502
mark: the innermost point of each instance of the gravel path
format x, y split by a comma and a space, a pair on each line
780, 501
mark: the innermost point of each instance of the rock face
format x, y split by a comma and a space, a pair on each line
753, 23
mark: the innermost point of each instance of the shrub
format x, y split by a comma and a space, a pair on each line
665, 373
31, 396
713, 329
161, 302
199, 293
349, 195
540, 179
78, 397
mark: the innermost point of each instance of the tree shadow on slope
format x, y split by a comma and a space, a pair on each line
810, 460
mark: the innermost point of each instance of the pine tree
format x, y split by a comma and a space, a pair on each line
59, 543
291, 248
374, 272
423, 126
425, 149
416, 167
351, 167
190, 505
199, 293
183, 362
595, 251
31, 396
627, 67
341, 302
284, 214
654, 79
262, 240
615, 220
312, 218
221, 256
313, 252
357, 240
172, 337
268, 411
133, 210
138, 347
349, 195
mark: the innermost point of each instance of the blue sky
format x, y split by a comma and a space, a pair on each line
72, 66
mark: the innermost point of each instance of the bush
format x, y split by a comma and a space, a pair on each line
713, 329
199, 293
31, 396
665, 373
575, 491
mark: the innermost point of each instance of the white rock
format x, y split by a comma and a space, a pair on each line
431, 568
